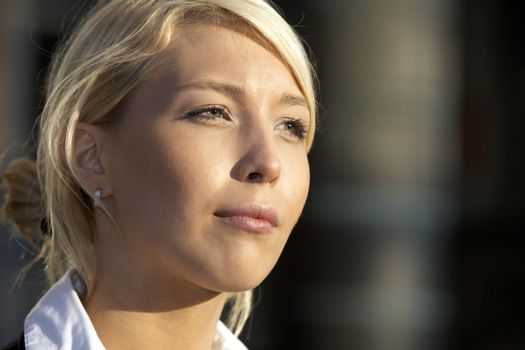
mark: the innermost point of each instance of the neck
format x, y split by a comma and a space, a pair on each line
142, 311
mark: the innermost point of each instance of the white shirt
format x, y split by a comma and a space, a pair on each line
60, 322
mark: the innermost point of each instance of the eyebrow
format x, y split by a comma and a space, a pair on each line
237, 92
293, 100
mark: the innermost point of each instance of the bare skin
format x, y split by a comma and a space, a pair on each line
220, 126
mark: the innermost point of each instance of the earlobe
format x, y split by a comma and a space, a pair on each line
87, 158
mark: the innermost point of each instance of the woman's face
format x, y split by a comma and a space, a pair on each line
208, 168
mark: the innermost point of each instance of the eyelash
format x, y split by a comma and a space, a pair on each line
200, 113
213, 112
299, 127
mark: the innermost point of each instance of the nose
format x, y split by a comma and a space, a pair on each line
259, 161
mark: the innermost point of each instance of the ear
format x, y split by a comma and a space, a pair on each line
87, 151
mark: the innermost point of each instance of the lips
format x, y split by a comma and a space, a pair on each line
253, 218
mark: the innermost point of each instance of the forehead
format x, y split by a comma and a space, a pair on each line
235, 55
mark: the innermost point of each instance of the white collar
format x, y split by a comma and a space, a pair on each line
60, 322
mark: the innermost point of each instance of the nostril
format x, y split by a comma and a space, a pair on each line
254, 176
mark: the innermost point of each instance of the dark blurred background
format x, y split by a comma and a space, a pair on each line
412, 236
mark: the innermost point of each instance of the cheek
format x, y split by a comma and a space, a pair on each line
296, 182
165, 179
137, 170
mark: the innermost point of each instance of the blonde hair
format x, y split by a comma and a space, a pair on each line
115, 48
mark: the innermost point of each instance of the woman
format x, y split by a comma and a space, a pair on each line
172, 163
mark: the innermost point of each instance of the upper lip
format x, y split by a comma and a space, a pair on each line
256, 211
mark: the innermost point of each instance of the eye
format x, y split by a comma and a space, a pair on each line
210, 112
295, 128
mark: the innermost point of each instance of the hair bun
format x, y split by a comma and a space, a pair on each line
23, 200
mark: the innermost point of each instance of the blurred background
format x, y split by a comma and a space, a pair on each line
412, 236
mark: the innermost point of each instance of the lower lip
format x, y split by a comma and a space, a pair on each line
249, 223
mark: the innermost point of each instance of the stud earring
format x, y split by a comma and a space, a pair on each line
96, 201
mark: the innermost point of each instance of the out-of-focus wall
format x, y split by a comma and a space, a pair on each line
5, 137
393, 95
488, 269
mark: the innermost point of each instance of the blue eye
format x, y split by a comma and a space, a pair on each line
210, 112
295, 128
